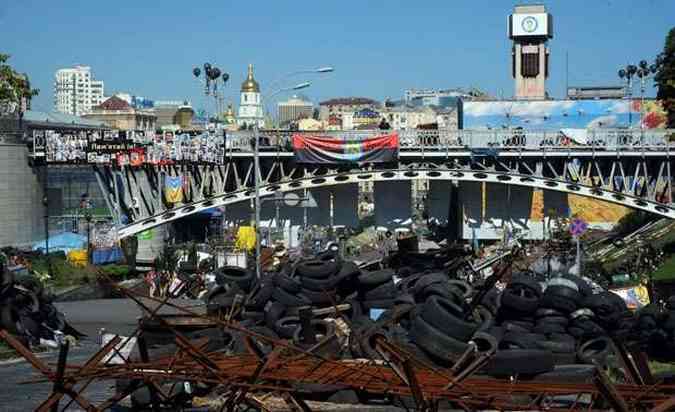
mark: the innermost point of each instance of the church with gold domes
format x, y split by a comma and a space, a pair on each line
250, 104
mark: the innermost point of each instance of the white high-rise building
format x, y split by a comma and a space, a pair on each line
250, 105
76, 91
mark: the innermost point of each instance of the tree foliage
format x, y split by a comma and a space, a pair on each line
13, 86
665, 78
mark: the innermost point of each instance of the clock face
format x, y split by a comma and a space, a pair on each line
529, 24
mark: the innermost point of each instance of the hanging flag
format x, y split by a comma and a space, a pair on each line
173, 189
330, 150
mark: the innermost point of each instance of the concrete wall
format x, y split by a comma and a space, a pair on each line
21, 210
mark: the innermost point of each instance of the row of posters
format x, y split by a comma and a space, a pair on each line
130, 148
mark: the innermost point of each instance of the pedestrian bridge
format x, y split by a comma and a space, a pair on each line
627, 167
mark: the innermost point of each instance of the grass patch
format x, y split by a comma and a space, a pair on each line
65, 274
666, 271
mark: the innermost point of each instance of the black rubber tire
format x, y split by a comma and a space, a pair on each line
585, 329
544, 312
464, 288
261, 295
522, 279
558, 320
273, 312
515, 340
428, 280
519, 362
318, 285
548, 328
560, 303
324, 328
286, 326
375, 277
434, 341
383, 291
288, 299
318, 269
520, 299
9, 320
441, 290
287, 283
377, 304
485, 342
584, 288
565, 292
256, 316
558, 346
234, 274
326, 297
595, 350
510, 326
448, 318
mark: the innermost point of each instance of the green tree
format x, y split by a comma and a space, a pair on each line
13, 87
665, 78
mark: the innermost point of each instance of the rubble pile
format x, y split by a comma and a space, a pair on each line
556, 329
26, 311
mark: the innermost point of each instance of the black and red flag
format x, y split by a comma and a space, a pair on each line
332, 150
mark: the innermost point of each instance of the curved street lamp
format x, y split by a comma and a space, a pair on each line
319, 70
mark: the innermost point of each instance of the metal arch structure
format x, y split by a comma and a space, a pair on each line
321, 178
631, 168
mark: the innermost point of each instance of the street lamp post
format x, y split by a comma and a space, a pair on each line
643, 71
211, 76
627, 74
258, 177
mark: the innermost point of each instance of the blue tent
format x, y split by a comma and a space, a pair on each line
66, 242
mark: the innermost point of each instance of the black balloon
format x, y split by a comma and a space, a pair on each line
196, 71
215, 73
226, 77
622, 73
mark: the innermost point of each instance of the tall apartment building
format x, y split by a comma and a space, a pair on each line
75, 90
293, 109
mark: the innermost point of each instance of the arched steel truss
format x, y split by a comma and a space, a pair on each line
310, 181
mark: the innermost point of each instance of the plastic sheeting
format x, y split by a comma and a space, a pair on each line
62, 242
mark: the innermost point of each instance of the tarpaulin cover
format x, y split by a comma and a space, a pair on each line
107, 255
62, 242
245, 238
329, 150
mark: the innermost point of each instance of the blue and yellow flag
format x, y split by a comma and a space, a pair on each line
173, 189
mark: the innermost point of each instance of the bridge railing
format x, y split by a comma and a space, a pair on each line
601, 139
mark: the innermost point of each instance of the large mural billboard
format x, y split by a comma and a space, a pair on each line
562, 114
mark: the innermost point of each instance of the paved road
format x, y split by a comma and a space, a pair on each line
116, 315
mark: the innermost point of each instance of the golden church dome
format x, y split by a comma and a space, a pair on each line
250, 85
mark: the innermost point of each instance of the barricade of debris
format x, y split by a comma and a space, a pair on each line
411, 334
27, 312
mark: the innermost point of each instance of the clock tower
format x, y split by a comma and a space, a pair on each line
250, 105
530, 28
